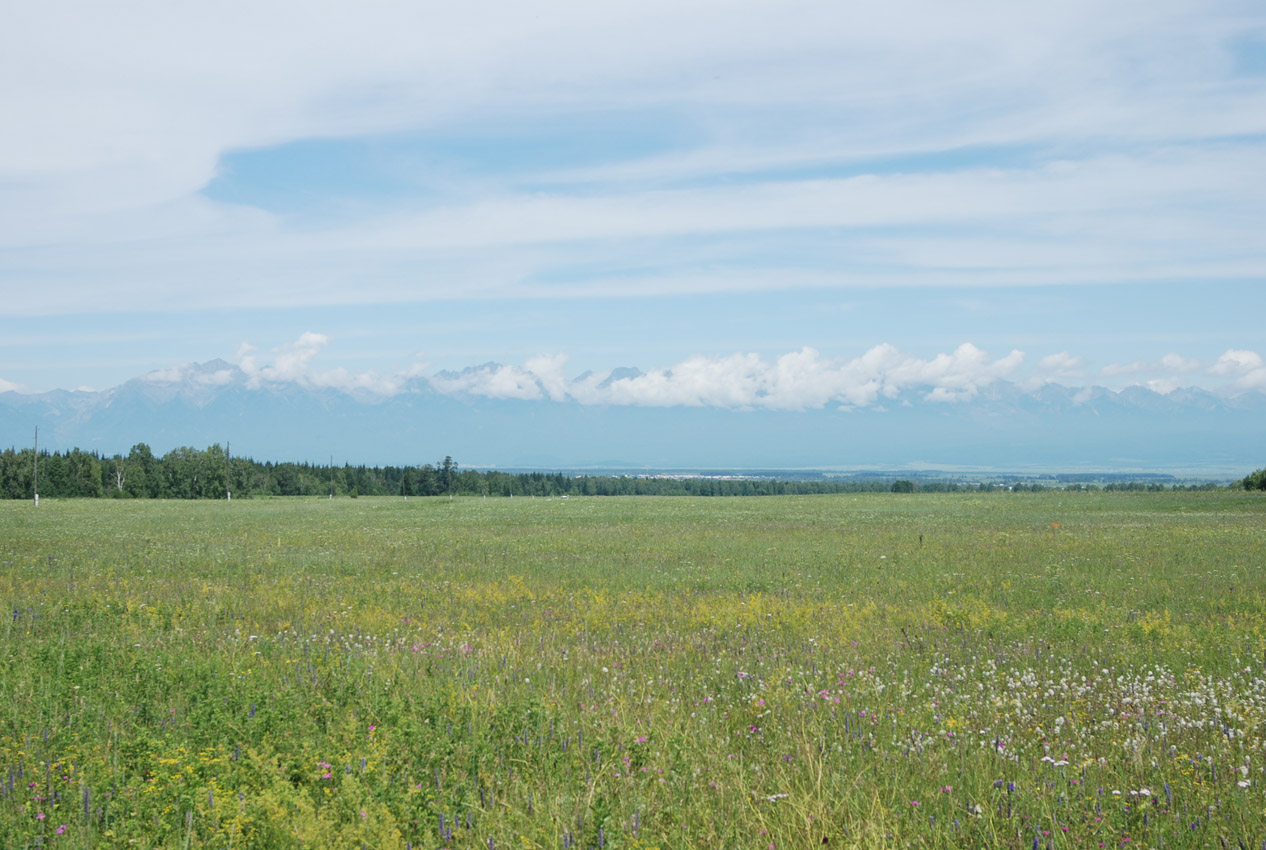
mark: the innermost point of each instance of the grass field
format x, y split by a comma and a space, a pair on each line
994, 670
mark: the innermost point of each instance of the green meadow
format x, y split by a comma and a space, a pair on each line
1050, 670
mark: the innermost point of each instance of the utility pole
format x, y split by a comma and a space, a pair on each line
228, 489
35, 481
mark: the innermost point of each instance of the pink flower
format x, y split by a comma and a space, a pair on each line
40, 816
61, 829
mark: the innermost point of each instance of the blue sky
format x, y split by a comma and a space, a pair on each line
1040, 192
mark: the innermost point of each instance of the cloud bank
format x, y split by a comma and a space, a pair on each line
797, 380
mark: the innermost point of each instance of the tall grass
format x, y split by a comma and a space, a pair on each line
1001, 670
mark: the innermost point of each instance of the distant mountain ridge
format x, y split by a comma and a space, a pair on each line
1005, 425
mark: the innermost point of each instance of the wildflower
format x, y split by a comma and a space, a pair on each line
61, 829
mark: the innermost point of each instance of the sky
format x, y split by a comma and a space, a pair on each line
352, 195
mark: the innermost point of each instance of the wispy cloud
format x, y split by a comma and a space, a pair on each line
1163, 375
1092, 221
1062, 366
1236, 370
1003, 145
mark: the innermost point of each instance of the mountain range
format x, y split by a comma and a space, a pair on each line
1004, 426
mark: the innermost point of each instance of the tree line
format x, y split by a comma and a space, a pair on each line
188, 473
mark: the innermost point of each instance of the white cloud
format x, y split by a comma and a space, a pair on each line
218, 378
1171, 365
797, 380
172, 375
293, 363
1237, 362
1090, 221
9, 386
1164, 386
794, 381
1061, 366
117, 115
1036, 202
491, 380
1165, 375
1246, 368
548, 371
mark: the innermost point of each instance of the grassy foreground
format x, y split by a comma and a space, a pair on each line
1001, 670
